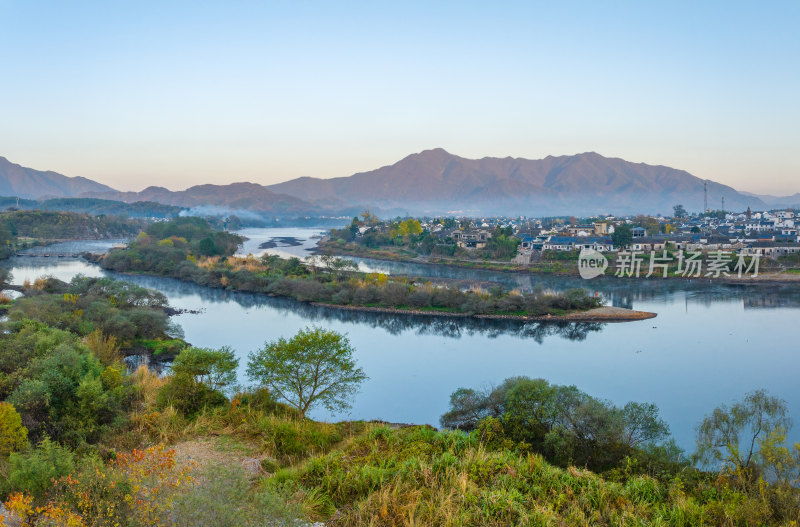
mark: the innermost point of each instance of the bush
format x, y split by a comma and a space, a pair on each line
215, 368
563, 423
34, 470
13, 436
188, 396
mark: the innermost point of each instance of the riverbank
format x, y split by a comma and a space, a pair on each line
567, 268
599, 314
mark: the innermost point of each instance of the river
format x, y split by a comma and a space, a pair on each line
710, 343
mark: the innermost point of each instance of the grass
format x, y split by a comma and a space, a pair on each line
367, 474
418, 476
373, 474
163, 347
232, 445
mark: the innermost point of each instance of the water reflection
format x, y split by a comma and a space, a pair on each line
619, 292
451, 327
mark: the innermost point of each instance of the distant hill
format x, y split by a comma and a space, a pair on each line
436, 181
235, 196
430, 182
16, 180
778, 202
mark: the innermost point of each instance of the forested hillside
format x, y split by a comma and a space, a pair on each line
53, 225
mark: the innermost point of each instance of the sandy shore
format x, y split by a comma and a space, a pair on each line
598, 314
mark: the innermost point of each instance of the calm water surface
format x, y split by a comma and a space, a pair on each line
709, 344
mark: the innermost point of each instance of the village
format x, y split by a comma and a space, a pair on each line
767, 234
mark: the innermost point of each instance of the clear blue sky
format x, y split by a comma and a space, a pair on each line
179, 93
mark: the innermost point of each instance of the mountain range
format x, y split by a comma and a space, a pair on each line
434, 182
27, 183
235, 196
792, 201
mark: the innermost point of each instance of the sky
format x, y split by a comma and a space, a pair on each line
173, 94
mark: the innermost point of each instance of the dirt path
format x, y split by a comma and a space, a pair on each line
219, 451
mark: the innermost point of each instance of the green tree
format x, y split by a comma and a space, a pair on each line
622, 236
678, 211
206, 247
13, 435
316, 366
215, 368
642, 424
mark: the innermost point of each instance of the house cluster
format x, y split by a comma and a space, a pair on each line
769, 234
475, 233
472, 238
568, 237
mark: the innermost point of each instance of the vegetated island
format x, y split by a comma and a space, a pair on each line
190, 249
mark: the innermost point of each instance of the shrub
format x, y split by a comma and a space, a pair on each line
215, 368
13, 436
188, 396
33, 471
106, 349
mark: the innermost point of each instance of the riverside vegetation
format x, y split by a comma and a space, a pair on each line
23, 228
189, 249
85, 442
405, 239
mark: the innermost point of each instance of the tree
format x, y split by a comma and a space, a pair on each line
468, 407
732, 436
5, 276
623, 236
563, 423
316, 366
206, 247
642, 424
369, 219
215, 368
106, 349
13, 435
679, 212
